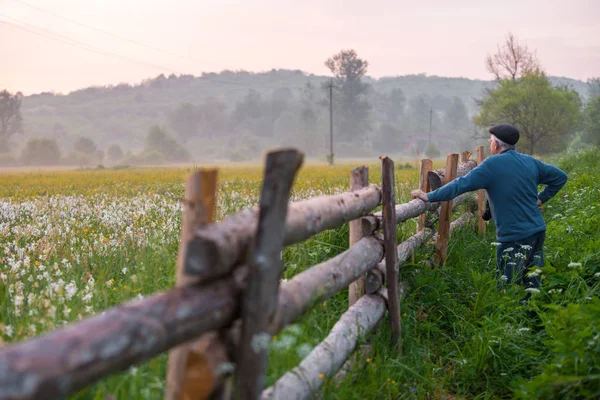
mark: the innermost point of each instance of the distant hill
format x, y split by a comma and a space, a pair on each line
122, 114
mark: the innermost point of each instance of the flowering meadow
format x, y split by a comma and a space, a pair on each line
74, 243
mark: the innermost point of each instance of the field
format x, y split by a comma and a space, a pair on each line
77, 242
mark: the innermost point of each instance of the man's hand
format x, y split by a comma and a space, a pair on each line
540, 204
419, 194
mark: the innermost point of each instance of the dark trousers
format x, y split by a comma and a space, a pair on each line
515, 260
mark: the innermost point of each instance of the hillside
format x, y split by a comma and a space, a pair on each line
122, 114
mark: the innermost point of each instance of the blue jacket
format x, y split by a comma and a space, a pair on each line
511, 181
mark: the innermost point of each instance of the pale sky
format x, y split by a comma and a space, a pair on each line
397, 37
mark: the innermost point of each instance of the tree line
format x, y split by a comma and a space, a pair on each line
366, 118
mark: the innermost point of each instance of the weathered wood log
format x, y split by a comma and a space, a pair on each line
456, 224
359, 178
370, 224
426, 166
388, 198
437, 177
326, 359
218, 247
187, 372
376, 276
67, 360
464, 156
445, 212
317, 284
480, 195
260, 299
137, 331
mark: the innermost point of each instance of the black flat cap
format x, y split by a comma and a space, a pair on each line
506, 132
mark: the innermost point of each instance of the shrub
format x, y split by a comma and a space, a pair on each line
41, 151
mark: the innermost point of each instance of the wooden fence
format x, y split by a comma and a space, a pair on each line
217, 323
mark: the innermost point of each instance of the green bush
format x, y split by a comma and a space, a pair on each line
41, 152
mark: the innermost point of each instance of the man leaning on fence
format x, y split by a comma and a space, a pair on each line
511, 181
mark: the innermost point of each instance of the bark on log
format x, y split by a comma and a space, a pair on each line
446, 212
260, 299
376, 276
218, 247
388, 194
317, 284
370, 224
458, 223
326, 359
64, 361
186, 370
67, 360
359, 178
437, 177
480, 195
426, 165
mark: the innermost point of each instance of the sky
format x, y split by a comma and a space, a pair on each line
63, 45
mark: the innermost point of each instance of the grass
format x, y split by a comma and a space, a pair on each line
75, 243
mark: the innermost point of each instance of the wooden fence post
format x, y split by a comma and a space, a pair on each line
426, 166
190, 366
359, 178
260, 300
480, 195
390, 243
446, 212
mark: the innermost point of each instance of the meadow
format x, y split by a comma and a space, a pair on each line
77, 242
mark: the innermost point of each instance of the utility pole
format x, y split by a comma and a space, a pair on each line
331, 122
430, 118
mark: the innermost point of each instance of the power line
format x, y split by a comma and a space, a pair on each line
51, 35
105, 32
66, 40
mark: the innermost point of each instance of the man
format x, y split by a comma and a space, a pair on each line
511, 181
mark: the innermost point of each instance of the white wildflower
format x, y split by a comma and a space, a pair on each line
523, 329
87, 297
526, 247
109, 283
534, 273
597, 275
504, 278
496, 244
124, 270
508, 249
70, 290
574, 264
532, 290
8, 329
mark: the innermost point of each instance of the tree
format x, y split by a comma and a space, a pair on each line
393, 104
544, 115
352, 107
511, 60
159, 141
432, 151
114, 153
593, 87
11, 121
184, 120
85, 145
591, 121
456, 119
41, 151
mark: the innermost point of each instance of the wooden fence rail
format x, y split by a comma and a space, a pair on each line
232, 298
